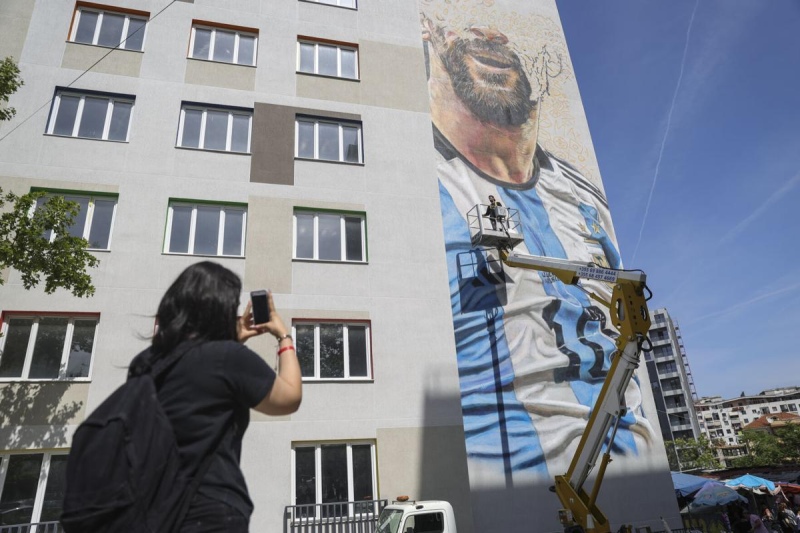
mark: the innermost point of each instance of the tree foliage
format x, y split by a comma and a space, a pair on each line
10, 81
690, 454
25, 243
766, 448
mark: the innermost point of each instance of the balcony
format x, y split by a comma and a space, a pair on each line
339, 517
41, 527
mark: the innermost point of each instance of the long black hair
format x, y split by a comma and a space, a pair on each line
200, 305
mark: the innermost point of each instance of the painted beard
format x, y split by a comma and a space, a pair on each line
490, 80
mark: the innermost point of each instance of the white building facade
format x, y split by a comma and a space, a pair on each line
722, 420
290, 141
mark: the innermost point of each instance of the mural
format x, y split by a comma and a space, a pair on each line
532, 351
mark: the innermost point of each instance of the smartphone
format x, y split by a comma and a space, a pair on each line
260, 307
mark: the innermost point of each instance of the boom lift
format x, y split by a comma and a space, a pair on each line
630, 315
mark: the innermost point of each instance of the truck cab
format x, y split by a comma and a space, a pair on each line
430, 516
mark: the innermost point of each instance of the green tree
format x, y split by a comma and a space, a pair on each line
765, 448
25, 243
9, 83
690, 454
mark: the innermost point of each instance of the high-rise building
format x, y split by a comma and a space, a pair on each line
671, 379
340, 153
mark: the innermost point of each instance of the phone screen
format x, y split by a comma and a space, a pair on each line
260, 307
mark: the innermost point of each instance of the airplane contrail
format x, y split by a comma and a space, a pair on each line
666, 131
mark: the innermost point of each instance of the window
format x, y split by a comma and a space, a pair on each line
429, 522
215, 128
223, 44
333, 473
340, 3
90, 115
206, 229
326, 59
333, 350
330, 236
47, 347
94, 220
793, 407
31, 487
106, 27
328, 140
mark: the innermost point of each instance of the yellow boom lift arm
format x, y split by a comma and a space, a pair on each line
629, 314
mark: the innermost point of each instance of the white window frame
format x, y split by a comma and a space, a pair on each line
345, 346
193, 226
318, 471
87, 227
41, 486
101, 12
229, 136
337, 3
339, 49
237, 35
65, 350
316, 122
343, 244
112, 99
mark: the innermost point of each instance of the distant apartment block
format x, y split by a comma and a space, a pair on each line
671, 379
723, 421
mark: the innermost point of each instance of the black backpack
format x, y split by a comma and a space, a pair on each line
123, 471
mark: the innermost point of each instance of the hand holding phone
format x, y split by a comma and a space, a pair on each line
260, 307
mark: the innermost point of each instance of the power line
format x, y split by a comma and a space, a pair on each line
50, 101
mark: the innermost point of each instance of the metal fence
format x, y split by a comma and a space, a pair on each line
41, 527
340, 517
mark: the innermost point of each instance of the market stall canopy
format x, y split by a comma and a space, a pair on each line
789, 488
686, 484
715, 493
752, 483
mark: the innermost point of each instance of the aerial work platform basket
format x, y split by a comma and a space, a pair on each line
500, 231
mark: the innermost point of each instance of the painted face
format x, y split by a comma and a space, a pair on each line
486, 75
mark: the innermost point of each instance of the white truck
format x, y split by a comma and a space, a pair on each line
406, 516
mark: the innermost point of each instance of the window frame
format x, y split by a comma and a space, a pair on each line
194, 204
129, 14
334, 3
213, 27
316, 121
92, 196
334, 44
113, 99
318, 445
204, 108
366, 324
44, 476
343, 215
5, 319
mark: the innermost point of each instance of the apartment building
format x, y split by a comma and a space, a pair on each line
723, 420
296, 142
671, 379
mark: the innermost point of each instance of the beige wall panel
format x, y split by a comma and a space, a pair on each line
43, 409
428, 463
220, 75
269, 244
14, 22
24, 185
119, 62
380, 64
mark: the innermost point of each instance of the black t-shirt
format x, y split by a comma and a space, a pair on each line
209, 392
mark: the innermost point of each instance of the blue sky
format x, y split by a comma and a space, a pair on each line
719, 238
